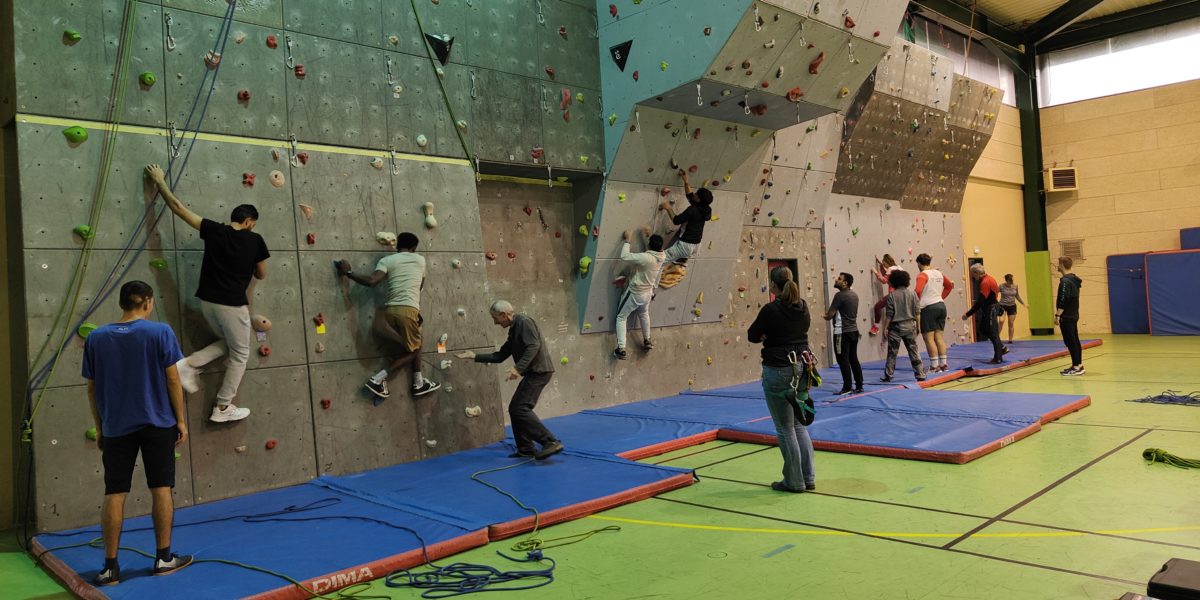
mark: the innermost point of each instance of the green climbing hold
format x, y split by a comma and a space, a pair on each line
583, 230
84, 231
86, 328
564, 360
71, 36
76, 134
148, 79
158, 264
178, 456
612, 119
91, 434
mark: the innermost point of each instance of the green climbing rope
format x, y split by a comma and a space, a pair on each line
442, 85
1158, 455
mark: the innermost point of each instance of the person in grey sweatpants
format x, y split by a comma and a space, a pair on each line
532, 365
902, 321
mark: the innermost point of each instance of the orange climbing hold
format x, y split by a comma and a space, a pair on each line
264, 351
612, 10
271, 444
248, 179
850, 22
795, 94
490, 256
815, 66
311, 239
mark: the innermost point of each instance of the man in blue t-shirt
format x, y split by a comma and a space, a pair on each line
137, 404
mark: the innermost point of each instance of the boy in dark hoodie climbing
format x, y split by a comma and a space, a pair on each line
692, 219
1066, 314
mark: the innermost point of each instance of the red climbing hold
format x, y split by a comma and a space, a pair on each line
300, 72
850, 22
264, 350
244, 96
811, 46
566, 99
795, 94
512, 255
635, 75
766, 84
528, 211
248, 179
557, 234
665, 191
876, 34
550, 72
490, 256
567, 116
271, 444
612, 10
815, 65
319, 319
562, 30
272, 42
595, 232
311, 239
302, 157
693, 168
326, 403
759, 110
537, 153
696, 134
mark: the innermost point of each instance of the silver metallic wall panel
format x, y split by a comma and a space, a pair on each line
506, 109
340, 100
268, 13
250, 66
75, 81
212, 186
448, 17
443, 425
280, 412
70, 476
451, 189
58, 182
574, 57
347, 307
353, 434
501, 35
419, 108
351, 202
355, 21
47, 276
577, 143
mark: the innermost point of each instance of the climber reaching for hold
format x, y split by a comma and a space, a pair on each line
692, 220
639, 289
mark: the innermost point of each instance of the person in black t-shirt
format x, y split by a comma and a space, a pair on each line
692, 219
844, 308
232, 255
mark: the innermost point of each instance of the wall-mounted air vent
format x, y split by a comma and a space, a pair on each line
1062, 179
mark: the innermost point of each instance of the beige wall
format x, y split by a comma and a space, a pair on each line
1138, 156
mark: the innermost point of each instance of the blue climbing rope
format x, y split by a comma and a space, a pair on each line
1171, 397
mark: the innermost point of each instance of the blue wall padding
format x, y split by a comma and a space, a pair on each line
1189, 239
1127, 293
1173, 284
300, 549
441, 488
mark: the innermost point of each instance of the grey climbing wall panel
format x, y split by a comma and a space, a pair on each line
500, 35
58, 77
451, 189
444, 18
70, 495
58, 183
416, 108
443, 423
454, 302
573, 54
354, 21
268, 13
278, 399
249, 66
506, 107
569, 136
341, 98
53, 270
351, 201
348, 308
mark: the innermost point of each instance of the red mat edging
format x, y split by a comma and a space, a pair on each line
583, 509
77, 585
376, 569
1067, 409
669, 446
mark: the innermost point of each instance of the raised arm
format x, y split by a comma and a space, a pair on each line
156, 175
346, 270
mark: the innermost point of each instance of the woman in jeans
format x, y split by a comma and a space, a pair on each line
782, 328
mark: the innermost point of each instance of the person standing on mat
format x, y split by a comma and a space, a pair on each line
232, 255
902, 321
1066, 314
932, 290
137, 406
639, 289
1010, 295
404, 272
985, 305
532, 365
692, 219
843, 310
883, 268
782, 328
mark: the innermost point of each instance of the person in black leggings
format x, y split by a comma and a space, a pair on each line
844, 308
1067, 314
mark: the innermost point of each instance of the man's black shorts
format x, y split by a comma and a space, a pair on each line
157, 445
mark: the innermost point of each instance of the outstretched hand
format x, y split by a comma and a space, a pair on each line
155, 173
466, 355
513, 373
343, 267
626, 235
664, 206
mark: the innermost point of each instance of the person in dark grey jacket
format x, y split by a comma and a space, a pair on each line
1066, 314
533, 366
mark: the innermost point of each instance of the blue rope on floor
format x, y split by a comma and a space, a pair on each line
1171, 397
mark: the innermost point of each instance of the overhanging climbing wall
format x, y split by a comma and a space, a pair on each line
915, 131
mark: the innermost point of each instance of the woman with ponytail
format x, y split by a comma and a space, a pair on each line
782, 329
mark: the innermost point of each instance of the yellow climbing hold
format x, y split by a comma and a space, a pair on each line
587, 326
579, 97
621, 196
700, 298
583, 230
589, 215
696, 311
710, 361
564, 360
583, 159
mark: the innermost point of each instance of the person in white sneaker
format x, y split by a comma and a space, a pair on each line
137, 406
401, 320
639, 288
232, 255
932, 289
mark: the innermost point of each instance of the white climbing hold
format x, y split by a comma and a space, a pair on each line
430, 220
422, 141
385, 238
457, 264
446, 364
474, 411
377, 163
431, 443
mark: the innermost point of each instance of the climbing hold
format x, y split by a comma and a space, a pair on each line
473, 411
441, 45
583, 230
84, 231
158, 264
562, 31
490, 256
537, 153
272, 42
567, 115
326, 403
588, 216
758, 110
612, 119
462, 312
148, 79
319, 320
319, 348
275, 154
693, 168
550, 72
595, 232
583, 159
461, 125
302, 157
700, 298
457, 264
564, 360
512, 255
528, 210
708, 31
431, 443
212, 59
71, 37
663, 65
587, 326
377, 163
306, 210
565, 102
394, 40
579, 97
710, 360
311, 239
814, 67
849, 22
76, 134
621, 197
795, 94
91, 434
300, 72
422, 141
260, 323
664, 191
612, 10
239, 449
876, 34
585, 263
430, 220
243, 96
248, 179
445, 364
264, 350
765, 84
557, 234
842, 93
271, 444
635, 75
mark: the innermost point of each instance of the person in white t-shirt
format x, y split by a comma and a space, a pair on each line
404, 272
932, 290
639, 288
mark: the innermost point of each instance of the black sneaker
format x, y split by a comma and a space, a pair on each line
1004, 351
844, 391
885, 379
523, 454
620, 354
922, 378
996, 361
549, 450
166, 567
1074, 371
647, 345
379, 388
810, 486
859, 390
107, 577
425, 389
779, 487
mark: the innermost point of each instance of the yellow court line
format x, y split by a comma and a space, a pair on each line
248, 141
890, 533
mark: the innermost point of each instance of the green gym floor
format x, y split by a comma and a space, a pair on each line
1070, 512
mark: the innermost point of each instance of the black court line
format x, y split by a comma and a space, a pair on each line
694, 453
903, 541
1155, 428
724, 460
971, 516
1043, 491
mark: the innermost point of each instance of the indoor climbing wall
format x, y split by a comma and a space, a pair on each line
916, 130
858, 230
332, 119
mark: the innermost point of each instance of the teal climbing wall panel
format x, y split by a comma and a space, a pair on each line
268, 13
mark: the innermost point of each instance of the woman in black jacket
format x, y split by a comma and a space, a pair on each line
782, 328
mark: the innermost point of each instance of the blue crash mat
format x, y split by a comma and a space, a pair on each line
596, 431
741, 403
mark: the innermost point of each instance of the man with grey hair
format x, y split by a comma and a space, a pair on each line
532, 365
985, 305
